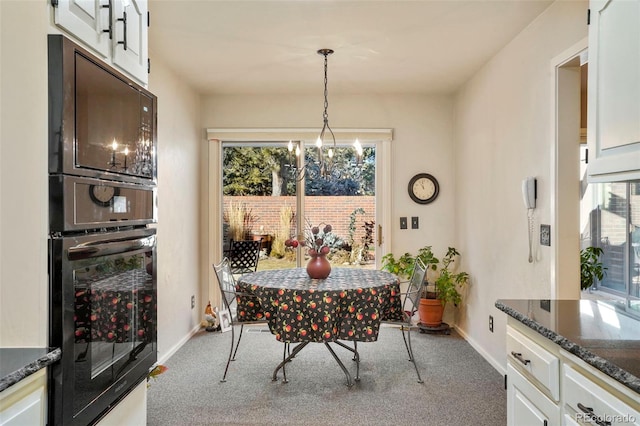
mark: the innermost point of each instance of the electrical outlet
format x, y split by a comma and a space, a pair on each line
403, 223
414, 222
545, 235
546, 305
491, 323
193, 302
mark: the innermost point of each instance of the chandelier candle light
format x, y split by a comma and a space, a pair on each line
323, 166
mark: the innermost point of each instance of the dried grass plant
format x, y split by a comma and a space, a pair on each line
283, 232
240, 220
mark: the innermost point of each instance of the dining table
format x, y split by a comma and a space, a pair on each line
348, 305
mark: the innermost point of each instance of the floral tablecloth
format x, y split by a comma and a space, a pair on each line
348, 305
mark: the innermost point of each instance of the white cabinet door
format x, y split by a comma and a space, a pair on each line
25, 402
527, 405
130, 37
614, 90
116, 29
87, 20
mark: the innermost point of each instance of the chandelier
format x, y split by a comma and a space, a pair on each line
323, 163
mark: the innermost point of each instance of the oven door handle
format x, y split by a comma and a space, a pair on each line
104, 248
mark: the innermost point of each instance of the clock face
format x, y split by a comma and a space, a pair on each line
103, 194
423, 188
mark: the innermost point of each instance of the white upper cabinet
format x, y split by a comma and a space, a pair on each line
130, 48
613, 125
115, 29
87, 20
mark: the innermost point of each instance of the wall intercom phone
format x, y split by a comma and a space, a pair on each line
529, 192
529, 195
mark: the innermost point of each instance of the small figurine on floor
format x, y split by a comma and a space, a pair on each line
211, 318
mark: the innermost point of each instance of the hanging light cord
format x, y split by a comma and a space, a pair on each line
325, 170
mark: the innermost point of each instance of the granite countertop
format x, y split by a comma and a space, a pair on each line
18, 363
603, 333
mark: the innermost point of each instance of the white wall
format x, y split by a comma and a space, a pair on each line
422, 142
23, 173
503, 134
180, 137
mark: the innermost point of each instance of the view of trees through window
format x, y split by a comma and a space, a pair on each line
253, 170
259, 201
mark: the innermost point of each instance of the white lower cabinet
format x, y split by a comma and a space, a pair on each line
526, 404
585, 402
547, 385
24, 404
535, 361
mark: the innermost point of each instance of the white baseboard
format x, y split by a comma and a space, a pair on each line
178, 345
495, 364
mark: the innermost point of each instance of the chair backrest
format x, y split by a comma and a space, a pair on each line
226, 282
244, 256
416, 284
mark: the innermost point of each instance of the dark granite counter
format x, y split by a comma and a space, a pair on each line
18, 363
604, 334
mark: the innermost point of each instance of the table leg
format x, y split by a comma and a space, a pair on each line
344, 369
287, 359
356, 357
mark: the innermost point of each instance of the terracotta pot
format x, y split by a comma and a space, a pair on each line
431, 311
318, 267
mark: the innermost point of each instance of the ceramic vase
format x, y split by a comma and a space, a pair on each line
318, 267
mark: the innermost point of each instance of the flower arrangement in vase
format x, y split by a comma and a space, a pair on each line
319, 243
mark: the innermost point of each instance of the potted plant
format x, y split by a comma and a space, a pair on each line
590, 267
443, 287
403, 266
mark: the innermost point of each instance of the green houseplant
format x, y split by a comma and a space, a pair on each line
403, 266
442, 287
590, 266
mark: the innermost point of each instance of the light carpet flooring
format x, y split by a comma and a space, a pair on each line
460, 387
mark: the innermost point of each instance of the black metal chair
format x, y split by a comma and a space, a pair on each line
229, 292
244, 255
409, 308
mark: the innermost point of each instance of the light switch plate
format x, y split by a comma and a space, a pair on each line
414, 222
403, 223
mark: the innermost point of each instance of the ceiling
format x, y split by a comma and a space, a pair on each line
268, 47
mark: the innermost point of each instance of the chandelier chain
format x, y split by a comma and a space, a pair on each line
326, 91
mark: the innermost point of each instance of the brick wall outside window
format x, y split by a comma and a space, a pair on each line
334, 210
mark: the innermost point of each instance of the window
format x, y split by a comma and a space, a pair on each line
613, 223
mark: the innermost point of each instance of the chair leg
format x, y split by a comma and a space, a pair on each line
356, 358
224, 377
405, 343
238, 343
411, 357
284, 363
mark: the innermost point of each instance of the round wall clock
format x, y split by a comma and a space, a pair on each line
423, 188
103, 195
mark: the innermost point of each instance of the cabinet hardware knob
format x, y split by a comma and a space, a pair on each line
518, 356
124, 24
593, 417
110, 29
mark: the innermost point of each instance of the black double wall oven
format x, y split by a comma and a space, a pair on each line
102, 239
